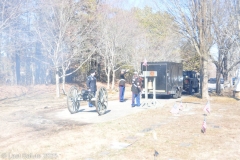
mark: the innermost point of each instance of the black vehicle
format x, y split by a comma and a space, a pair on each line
190, 82
214, 80
169, 80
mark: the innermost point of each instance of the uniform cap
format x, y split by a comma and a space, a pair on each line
92, 71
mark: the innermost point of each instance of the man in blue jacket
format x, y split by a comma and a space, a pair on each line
92, 84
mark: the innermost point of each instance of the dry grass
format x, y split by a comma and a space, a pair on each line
27, 128
178, 137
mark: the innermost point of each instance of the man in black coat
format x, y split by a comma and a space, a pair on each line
121, 84
136, 89
92, 84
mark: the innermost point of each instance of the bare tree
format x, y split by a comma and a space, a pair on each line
10, 11
62, 29
161, 43
194, 23
117, 31
189, 56
226, 38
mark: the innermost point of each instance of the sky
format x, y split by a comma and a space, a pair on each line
138, 3
156, 5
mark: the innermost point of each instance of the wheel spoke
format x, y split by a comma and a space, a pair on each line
99, 106
101, 101
73, 106
72, 100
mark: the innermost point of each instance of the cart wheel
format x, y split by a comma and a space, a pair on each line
101, 101
73, 103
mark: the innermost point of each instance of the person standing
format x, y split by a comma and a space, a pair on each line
121, 84
92, 84
136, 89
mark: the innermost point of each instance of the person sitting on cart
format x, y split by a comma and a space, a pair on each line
92, 85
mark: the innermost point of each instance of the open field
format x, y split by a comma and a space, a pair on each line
31, 128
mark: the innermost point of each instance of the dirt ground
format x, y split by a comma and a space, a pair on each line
30, 131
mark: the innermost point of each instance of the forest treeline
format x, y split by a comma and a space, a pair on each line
59, 41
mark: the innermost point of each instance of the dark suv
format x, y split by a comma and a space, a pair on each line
190, 82
214, 80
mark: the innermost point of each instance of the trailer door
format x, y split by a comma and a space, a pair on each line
161, 84
161, 76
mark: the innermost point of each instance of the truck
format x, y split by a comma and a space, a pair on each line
190, 82
169, 79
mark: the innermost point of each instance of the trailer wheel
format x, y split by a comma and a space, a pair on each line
190, 90
176, 95
196, 90
180, 93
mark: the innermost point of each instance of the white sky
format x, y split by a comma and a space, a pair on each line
138, 3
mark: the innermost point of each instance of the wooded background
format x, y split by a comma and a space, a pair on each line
58, 41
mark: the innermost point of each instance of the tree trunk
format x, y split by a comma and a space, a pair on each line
238, 15
201, 77
33, 74
17, 70
218, 74
108, 77
113, 80
205, 77
57, 84
218, 77
204, 39
63, 82
225, 68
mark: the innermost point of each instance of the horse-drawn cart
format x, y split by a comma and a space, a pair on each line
74, 97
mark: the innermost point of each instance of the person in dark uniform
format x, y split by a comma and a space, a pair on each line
92, 84
121, 84
136, 89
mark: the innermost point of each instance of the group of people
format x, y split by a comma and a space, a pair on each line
136, 87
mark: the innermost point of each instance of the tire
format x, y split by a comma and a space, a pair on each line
101, 101
196, 90
73, 103
180, 93
175, 96
190, 90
